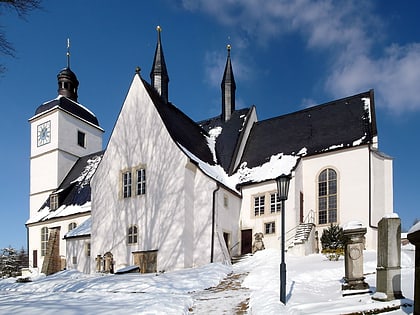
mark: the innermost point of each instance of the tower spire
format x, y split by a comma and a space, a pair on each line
228, 89
67, 80
159, 74
68, 53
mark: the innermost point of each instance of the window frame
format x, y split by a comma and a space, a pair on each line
259, 207
276, 206
132, 235
54, 202
81, 139
327, 196
270, 228
127, 184
44, 240
141, 181
71, 226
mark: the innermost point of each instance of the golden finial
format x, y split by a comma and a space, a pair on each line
158, 28
138, 69
228, 47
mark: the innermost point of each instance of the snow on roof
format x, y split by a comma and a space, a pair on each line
279, 164
82, 230
414, 228
88, 171
63, 211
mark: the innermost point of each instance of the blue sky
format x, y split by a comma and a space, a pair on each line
286, 55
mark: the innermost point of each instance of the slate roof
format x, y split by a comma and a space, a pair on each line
69, 106
181, 128
337, 124
74, 189
228, 140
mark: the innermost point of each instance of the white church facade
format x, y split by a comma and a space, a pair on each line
169, 193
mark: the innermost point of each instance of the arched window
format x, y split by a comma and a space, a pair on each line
44, 240
72, 226
327, 196
132, 234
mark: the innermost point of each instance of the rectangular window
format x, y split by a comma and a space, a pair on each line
225, 201
44, 240
275, 203
259, 205
126, 184
270, 228
87, 249
132, 235
54, 202
141, 181
74, 260
81, 138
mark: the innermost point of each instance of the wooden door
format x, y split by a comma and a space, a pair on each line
246, 241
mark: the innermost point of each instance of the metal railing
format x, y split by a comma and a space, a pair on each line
290, 234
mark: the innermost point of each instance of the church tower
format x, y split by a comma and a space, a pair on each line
62, 130
159, 74
228, 89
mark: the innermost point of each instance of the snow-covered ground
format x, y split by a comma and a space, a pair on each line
313, 287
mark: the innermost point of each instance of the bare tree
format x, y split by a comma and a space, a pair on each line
22, 8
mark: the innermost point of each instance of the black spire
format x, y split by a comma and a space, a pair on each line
67, 80
159, 74
228, 89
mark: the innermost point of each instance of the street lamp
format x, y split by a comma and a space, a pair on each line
283, 182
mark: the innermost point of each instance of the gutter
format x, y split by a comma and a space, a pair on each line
213, 223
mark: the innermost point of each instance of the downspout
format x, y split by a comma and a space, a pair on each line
213, 223
370, 187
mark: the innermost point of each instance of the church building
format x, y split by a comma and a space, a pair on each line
169, 193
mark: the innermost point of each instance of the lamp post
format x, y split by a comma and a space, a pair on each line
283, 182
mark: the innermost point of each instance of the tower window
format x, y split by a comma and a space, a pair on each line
54, 204
126, 181
81, 138
141, 181
132, 234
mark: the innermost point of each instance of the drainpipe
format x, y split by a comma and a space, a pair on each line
370, 188
213, 223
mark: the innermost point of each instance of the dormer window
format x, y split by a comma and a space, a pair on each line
54, 202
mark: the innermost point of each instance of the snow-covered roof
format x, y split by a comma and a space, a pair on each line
81, 230
74, 192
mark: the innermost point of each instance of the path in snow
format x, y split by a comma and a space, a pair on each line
229, 297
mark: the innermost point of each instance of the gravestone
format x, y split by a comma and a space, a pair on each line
388, 271
414, 238
354, 234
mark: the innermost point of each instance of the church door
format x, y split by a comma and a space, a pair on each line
246, 241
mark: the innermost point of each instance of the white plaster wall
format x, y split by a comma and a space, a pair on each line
34, 235
352, 167
76, 247
256, 223
176, 210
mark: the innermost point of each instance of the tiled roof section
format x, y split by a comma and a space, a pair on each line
70, 106
181, 128
227, 141
75, 188
338, 124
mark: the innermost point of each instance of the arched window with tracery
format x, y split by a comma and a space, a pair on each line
327, 196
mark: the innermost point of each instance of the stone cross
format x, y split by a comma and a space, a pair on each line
388, 271
353, 257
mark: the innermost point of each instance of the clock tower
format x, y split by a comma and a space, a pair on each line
62, 130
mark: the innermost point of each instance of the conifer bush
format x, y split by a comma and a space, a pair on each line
332, 242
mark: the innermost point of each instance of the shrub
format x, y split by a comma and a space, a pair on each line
332, 242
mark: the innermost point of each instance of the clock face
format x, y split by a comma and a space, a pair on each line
44, 133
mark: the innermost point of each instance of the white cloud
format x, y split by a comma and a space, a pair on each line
348, 31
